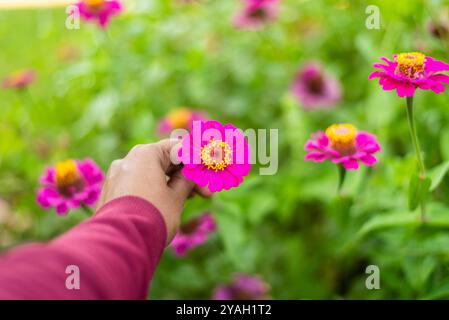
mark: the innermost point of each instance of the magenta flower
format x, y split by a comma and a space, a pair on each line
214, 155
314, 88
243, 287
19, 79
99, 10
181, 118
70, 184
342, 143
193, 233
256, 13
409, 71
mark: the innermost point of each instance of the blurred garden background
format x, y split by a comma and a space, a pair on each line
97, 93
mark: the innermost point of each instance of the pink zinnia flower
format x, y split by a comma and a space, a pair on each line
181, 118
19, 79
214, 155
256, 13
314, 88
342, 143
243, 287
193, 233
70, 184
99, 10
409, 71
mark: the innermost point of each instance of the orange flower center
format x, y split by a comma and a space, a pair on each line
94, 4
216, 155
410, 64
179, 118
68, 176
342, 138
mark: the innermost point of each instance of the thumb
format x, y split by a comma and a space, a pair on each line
180, 185
168, 154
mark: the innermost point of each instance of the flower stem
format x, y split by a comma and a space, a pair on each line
86, 209
341, 177
415, 141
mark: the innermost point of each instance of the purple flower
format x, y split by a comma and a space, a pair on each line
19, 79
343, 143
99, 10
193, 233
314, 88
256, 13
410, 71
215, 155
243, 287
70, 184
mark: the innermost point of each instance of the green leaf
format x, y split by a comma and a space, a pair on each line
444, 143
397, 219
437, 217
232, 231
418, 270
437, 174
440, 292
418, 190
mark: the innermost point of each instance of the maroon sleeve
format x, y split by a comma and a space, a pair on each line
116, 253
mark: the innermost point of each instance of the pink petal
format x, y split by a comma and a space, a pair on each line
388, 83
62, 209
405, 90
368, 160
432, 65
351, 164
375, 74
315, 156
437, 87
440, 78
215, 183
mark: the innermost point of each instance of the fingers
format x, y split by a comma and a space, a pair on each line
180, 185
168, 151
203, 191
170, 166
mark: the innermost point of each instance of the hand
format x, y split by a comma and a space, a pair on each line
148, 172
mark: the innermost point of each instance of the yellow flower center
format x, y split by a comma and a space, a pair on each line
410, 64
94, 3
67, 176
179, 118
216, 155
342, 137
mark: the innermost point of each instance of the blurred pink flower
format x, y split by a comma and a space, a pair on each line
314, 88
214, 155
409, 71
99, 10
193, 233
342, 143
256, 13
19, 79
181, 118
70, 184
243, 287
